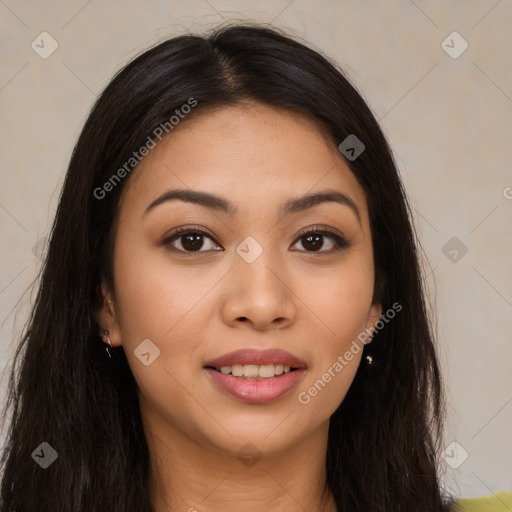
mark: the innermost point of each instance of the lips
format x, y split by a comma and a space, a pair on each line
257, 357
256, 390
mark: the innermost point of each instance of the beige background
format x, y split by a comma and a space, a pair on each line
449, 121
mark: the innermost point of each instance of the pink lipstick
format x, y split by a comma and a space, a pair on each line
256, 376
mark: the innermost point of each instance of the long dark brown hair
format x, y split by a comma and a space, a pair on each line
384, 439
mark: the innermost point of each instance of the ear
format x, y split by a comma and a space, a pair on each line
373, 317
106, 316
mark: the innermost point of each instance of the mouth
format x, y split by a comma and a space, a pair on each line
256, 376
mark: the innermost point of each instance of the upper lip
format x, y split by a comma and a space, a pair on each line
257, 357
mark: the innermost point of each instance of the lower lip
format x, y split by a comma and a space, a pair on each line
263, 391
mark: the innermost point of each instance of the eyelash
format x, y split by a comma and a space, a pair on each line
340, 242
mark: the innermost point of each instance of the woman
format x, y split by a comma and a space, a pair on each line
231, 313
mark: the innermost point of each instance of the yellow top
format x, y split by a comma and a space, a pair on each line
499, 502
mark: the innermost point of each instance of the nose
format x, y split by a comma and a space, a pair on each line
259, 296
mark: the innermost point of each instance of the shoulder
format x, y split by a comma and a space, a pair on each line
499, 502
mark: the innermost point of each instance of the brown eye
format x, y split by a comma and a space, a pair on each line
190, 240
313, 240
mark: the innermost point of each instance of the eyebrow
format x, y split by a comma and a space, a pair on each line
215, 202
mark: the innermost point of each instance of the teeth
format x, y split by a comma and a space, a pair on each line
253, 371
265, 371
237, 370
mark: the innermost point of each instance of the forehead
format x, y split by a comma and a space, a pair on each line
250, 153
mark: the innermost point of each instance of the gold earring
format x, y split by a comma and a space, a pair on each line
370, 365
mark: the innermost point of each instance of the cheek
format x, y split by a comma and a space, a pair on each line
341, 298
341, 302
161, 302
154, 294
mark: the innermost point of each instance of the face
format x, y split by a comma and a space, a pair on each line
258, 269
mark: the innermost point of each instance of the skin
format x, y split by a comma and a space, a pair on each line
197, 305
